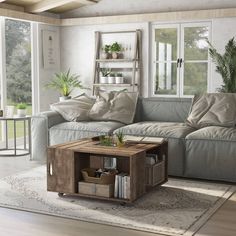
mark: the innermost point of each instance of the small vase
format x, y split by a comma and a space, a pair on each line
103, 80
115, 55
21, 112
111, 80
119, 80
63, 98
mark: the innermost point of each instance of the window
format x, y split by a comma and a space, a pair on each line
180, 59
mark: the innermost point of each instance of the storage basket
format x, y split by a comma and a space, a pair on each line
155, 174
89, 176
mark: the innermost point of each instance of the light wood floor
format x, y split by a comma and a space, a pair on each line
21, 223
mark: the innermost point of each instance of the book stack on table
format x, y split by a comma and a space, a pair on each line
122, 186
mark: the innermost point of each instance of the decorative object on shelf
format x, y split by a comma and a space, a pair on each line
1, 113
106, 52
10, 111
111, 78
119, 78
120, 139
21, 109
115, 49
226, 65
65, 82
105, 73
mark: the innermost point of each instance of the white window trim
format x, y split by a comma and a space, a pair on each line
180, 50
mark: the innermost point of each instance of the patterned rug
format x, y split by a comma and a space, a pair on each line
179, 207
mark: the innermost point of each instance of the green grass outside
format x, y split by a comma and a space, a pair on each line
19, 126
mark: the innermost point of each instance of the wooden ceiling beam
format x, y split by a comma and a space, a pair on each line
45, 5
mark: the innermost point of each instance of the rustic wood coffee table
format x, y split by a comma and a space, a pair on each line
65, 162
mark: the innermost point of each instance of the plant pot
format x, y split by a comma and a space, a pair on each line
63, 98
103, 80
105, 55
21, 112
111, 80
119, 80
115, 55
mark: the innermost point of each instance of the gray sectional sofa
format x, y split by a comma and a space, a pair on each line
207, 153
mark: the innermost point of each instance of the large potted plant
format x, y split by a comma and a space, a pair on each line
64, 83
226, 65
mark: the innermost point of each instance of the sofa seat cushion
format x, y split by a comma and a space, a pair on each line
157, 129
210, 153
214, 133
69, 131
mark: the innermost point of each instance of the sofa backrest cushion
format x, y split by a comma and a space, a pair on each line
213, 109
163, 109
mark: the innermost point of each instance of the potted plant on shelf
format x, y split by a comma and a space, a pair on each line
21, 109
115, 50
106, 51
119, 78
111, 78
64, 82
105, 73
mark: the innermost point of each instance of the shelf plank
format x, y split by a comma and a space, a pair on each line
115, 60
113, 85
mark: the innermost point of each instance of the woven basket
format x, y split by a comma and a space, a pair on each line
89, 176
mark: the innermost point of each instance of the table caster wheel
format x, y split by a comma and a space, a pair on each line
60, 194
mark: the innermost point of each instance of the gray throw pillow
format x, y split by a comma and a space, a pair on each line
213, 109
115, 106
75, 109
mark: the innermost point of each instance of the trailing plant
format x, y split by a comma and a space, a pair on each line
115, 47
65, 82
226, 65
21, 106
105, 72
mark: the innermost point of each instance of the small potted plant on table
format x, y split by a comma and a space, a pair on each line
111, 78
21, 109
119, 78
105, 73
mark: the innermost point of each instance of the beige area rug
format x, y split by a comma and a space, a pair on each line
179, 207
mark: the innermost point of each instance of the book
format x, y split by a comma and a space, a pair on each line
116, 189
139, 139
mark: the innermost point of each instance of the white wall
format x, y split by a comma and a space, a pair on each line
78, 47
46, 97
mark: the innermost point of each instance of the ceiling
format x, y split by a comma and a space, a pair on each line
54, 6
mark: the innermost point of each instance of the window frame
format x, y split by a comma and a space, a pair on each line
180, 46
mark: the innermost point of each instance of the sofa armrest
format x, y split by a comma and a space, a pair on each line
40, 125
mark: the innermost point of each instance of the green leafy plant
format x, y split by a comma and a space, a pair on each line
21, 106
106, 48
106, 140
119, 75
120, 137
105, 72
226, 65
112, 74
115, 47
65, 82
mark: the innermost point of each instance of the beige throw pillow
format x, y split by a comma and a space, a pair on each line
213, 109
75, 109
115, 106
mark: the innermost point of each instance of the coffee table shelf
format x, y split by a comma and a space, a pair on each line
65, 162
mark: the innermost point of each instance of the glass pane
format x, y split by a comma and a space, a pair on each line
166, 44
166, 78
195, 45
195, 78
18, 67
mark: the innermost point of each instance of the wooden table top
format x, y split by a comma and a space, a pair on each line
93, 147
